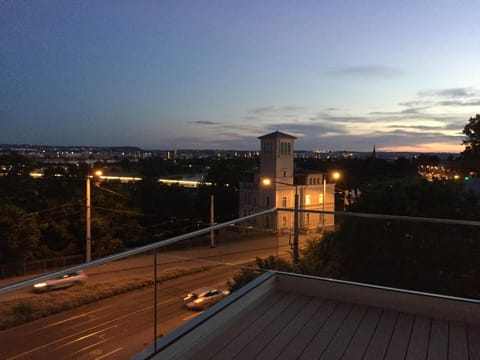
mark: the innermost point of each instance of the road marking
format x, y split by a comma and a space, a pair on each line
83, 331
87, 336
75, 317
91, 346
110, 353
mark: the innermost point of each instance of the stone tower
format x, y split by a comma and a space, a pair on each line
276, 157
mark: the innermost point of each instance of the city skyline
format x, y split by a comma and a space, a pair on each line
210, 75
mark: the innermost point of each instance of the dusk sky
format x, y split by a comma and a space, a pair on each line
339, 75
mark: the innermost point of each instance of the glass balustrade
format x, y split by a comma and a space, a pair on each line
115, 307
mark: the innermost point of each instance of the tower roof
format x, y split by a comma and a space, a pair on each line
276, 134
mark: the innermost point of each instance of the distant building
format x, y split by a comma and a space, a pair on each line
277, 165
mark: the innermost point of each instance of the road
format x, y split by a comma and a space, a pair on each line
115, 328
122, 326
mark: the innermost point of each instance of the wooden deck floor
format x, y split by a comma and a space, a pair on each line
287, 325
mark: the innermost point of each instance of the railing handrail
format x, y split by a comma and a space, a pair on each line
388, 217
22, 284
175, 239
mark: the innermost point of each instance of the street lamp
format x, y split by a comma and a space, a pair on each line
268, 182
335, 175
88, 217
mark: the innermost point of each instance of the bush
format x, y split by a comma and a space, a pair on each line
23, 311
244, 276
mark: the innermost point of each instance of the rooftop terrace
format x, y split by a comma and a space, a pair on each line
289, 316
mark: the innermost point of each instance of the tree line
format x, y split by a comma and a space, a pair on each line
418, 255
45, 217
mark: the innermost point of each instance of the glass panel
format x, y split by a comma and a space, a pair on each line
118, 309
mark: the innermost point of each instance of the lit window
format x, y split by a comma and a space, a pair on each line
307, 200
320, 198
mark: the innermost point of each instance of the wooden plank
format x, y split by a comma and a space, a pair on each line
238, 327
362, 336
326, 334
438, 344
298, 344
457, 340
281, 341
382, 335
337, 347
403, 301
418, 346
397, 349
273, 328
236, 344
474, 341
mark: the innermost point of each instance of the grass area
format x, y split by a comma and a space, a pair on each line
20, 311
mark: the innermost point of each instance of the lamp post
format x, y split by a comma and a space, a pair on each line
335, 176
88, 221
268, 182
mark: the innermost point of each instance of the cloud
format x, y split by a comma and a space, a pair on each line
325, 116
319, 129
459, 103
461, 92
425, 119
450, 97
261, 110
275, 111
413, 126
368, 71
205, 122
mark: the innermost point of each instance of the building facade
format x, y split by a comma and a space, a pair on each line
275, 185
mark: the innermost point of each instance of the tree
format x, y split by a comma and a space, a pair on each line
472, 131
19, 235
248, 274
432, 257
226, 172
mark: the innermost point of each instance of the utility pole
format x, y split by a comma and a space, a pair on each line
88, 218
212, 220
88, 221
323, 201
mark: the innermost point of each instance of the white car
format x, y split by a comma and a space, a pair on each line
65, 281
204, 297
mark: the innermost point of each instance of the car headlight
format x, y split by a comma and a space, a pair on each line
40, 285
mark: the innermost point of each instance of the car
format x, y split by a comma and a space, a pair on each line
204, 297
65, 281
